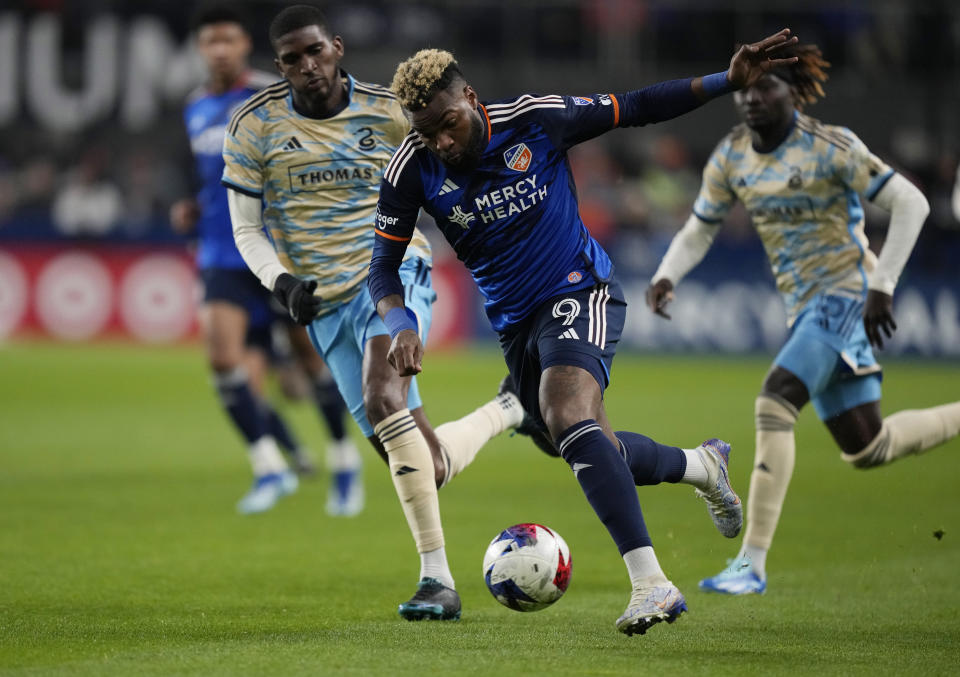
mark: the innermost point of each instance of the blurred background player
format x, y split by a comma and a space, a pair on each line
236, 315
496, 178
799, 180
305, 156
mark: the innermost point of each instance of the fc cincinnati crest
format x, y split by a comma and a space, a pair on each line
518, 157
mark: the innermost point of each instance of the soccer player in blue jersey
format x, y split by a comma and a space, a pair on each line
305, 158
496, 179
800, 181
236, 315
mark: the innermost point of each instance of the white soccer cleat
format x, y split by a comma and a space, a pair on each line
266, 491
649, 606
724, 505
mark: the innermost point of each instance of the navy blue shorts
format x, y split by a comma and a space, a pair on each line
579, 329
243, 289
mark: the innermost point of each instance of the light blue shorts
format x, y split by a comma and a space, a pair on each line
340, 337
829, 352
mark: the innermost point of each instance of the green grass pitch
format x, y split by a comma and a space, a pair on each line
121, 553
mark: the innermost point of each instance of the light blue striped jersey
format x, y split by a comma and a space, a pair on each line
803, 200
319, 180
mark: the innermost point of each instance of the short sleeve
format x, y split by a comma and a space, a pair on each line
399, 125
716, 197
242, 156
857, 167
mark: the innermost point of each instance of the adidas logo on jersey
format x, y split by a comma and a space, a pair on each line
448, 187
292, 144
570, 334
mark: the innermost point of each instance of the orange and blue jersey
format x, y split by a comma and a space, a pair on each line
514, 219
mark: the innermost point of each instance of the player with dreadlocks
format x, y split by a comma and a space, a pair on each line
496, 178
799, 180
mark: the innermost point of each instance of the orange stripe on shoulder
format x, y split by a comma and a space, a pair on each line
395, 238
489, 127
616, 110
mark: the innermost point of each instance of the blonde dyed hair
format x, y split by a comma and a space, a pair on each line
419, 78
810, 74
806, 77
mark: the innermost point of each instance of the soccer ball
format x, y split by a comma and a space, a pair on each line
527, 567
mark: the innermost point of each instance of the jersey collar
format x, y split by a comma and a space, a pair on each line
485, 118
787, 135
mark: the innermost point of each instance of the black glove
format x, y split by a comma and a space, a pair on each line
297, 296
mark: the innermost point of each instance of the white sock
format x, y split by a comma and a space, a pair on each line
460, 440
912, 431
433, 564
343, 455
696, 472
643, 568
758, 557
265, 457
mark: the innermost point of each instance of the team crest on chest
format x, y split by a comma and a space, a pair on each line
518, 157
796, 178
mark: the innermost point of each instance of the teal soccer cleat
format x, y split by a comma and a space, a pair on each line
649, 606
433, 601
738, 578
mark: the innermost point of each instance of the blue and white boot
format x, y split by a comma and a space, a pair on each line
266, 491
345, 496
739, 578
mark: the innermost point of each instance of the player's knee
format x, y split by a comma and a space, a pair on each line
875, 453
380, 404
561, 416
225, 361
773, 413
783, 385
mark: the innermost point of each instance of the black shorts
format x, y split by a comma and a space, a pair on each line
243, 289
579, 329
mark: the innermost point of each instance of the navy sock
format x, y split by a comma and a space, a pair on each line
332, 407
240, 403
606, 481
278, 428
651, 462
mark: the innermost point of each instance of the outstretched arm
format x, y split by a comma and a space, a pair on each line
687, 249
672, 98
754, 60
908, 209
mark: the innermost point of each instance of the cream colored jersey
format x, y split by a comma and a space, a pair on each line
319, 181
803, 200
